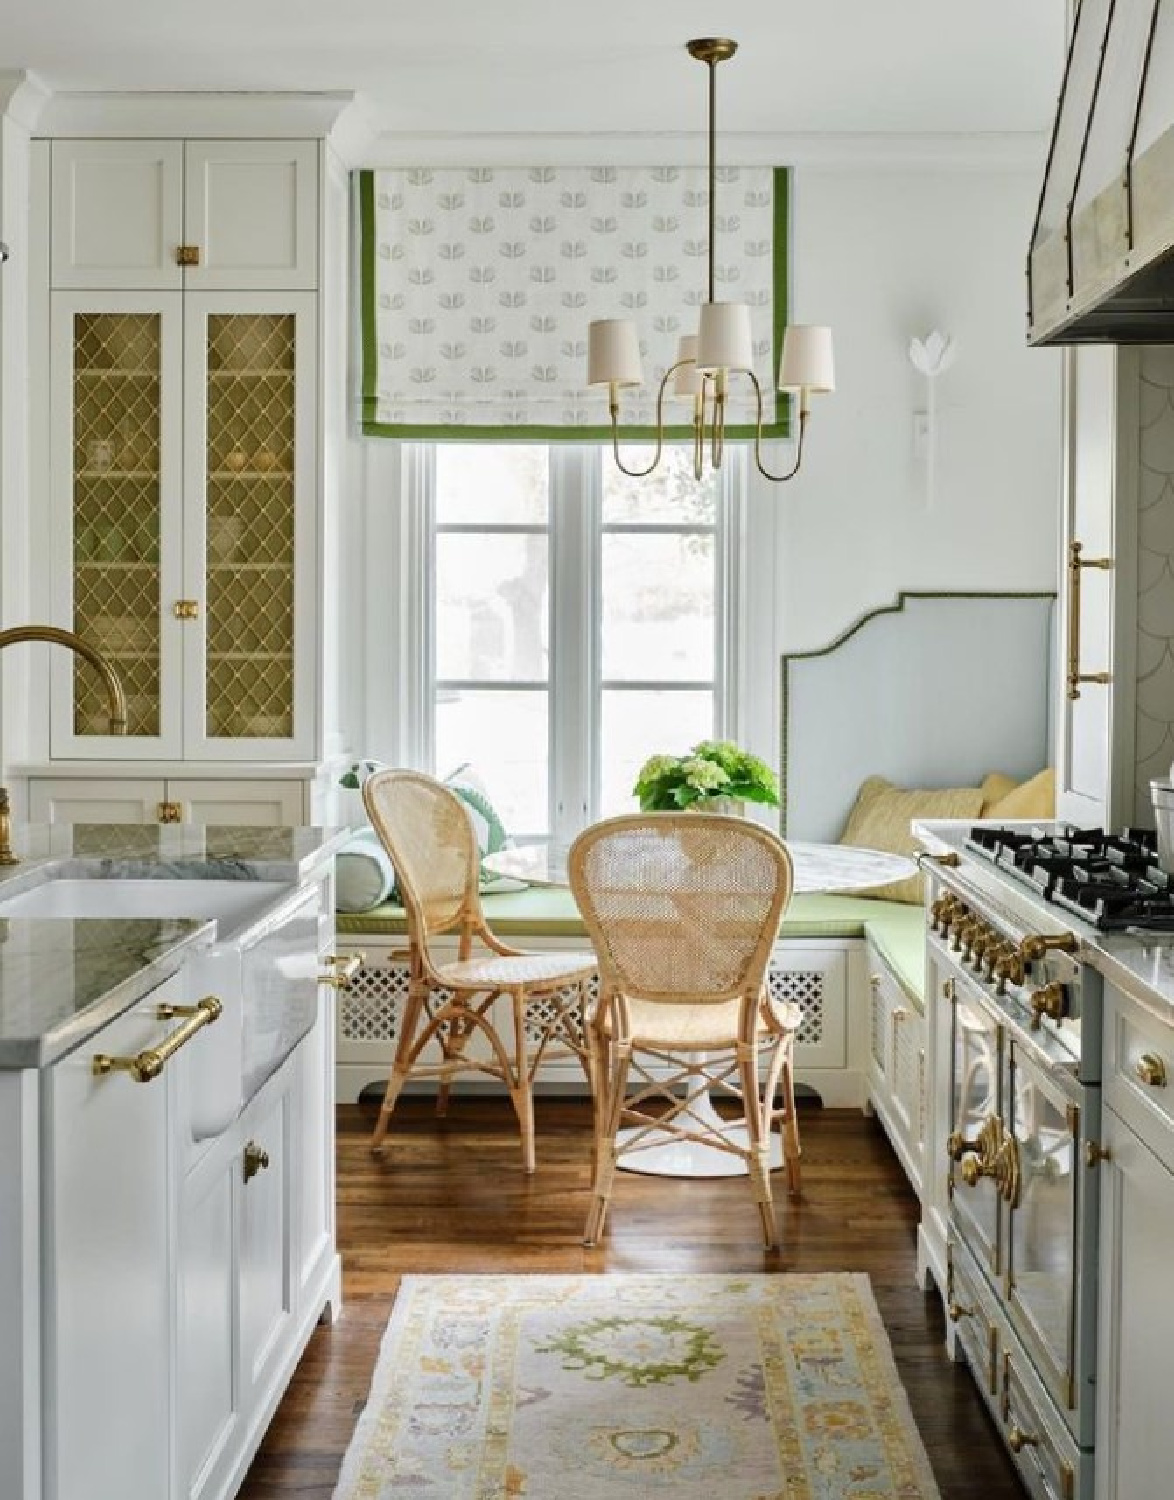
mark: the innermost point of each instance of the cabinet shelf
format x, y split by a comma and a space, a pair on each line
90, 474
250, 567
282, 656
113, 372
257, 372
100, 565
286, 474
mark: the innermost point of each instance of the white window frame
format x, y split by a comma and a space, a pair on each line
400, 680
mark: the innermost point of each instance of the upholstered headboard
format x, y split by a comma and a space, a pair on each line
935, 690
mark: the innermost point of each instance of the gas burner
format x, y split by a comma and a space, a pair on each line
1111, 880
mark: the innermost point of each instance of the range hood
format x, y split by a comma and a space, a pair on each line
1101, 264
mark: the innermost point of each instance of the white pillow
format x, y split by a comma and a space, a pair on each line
363, 873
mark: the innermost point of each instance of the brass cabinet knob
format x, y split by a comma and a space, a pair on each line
255, 1160
1017, 1439
957, 1145
1151, 1070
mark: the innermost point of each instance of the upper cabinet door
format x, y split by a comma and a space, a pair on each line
117, 215
251, 212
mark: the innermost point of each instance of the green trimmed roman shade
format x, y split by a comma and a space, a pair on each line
478, 285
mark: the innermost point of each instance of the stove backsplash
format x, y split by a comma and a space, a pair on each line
1155, 578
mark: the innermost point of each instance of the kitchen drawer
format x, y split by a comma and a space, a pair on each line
1047, 1460
970, 1309
1139, 1072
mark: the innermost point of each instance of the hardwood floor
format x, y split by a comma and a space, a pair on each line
450, 1196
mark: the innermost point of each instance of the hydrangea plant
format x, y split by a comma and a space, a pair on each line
713, 768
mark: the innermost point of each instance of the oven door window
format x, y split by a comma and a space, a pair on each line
976, 1102
1042, 1263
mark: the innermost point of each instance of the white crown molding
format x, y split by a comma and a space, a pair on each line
22, 98
879, 152
226, 115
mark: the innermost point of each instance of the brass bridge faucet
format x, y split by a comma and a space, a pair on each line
55, 636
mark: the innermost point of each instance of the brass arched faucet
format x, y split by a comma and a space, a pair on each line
116, 700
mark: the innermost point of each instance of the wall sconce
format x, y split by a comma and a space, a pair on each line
931, 356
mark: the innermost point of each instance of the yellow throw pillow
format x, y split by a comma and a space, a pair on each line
1032, 799
995, 787
881, 818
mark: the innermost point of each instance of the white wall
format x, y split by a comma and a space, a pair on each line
883, 256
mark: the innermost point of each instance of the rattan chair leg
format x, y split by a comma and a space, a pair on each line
522, 1092
792, 1150
757, 1117
401, 1063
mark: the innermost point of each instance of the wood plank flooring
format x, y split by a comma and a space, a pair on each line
449, 1195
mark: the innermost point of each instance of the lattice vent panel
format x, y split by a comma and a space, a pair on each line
804, 988
250, 567
116, 513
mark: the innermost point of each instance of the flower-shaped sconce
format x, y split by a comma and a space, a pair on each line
931, 356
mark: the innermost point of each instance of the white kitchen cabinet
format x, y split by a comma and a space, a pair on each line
896, 1067
184, 215
221, 803
1135, 1366
183, 522
1095, 739
107, 1269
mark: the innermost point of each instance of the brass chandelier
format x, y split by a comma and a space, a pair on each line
721, 348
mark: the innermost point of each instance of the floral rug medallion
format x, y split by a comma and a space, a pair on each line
622, 1387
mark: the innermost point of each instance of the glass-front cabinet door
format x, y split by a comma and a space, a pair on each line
117, 528
249, 543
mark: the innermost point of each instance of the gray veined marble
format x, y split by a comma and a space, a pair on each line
61, 981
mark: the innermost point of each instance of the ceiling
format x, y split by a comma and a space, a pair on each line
550, 66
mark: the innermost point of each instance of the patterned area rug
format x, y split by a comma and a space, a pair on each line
623, 1387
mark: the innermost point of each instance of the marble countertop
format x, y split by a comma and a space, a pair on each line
62, 980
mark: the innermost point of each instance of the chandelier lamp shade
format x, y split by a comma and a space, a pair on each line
722, 348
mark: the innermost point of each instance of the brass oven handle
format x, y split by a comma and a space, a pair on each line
1017, 1439
342, 970
995, 1154
1151, 1070
1075, 564
144, 1066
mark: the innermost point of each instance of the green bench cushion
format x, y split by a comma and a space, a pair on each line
897, 931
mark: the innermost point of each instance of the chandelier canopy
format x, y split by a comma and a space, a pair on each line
722, 347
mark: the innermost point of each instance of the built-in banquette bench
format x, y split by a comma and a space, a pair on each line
882, 699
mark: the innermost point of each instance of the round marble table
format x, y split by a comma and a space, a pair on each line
820, 869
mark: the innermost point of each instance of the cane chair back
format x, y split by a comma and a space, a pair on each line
683, 910
681, 907
429, 835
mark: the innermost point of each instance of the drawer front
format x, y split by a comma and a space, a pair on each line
1046, 1461
969, 1309
1139, 1073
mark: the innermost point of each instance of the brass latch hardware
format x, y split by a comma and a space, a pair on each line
949, 990
187, 255
957, 1311
148, 1064
170, 812
186, 609
1017, 1439
949, 860
1151, 1070
342, 970
255, 1160
1094, 1153
1049, 1001
1076, 563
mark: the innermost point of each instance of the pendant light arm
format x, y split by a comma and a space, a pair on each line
614, 409
761, 467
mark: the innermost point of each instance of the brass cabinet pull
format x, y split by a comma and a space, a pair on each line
144, 1066
1095, 1153
1076, 563
342, 970
170, 812
255, 1160
186, 609
187, 255
1151, 1070
1017, 1439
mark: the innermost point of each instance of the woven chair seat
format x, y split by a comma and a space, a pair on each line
706, 1028
495, 972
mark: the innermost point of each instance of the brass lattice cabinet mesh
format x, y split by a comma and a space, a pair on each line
250, 567
116, 512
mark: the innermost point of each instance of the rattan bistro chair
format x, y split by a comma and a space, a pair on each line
428, 834
682, 910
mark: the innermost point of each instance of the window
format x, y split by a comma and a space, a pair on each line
571, 623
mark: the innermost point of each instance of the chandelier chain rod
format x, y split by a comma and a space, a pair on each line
712, 65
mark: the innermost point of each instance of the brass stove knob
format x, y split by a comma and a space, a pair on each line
1050, 1001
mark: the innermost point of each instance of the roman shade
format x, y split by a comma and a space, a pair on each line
478, 285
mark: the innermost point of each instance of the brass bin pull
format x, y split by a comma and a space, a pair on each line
1151, 1070
144, 1066
1076, 563
343, 970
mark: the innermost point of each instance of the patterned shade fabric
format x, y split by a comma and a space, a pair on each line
479, 284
